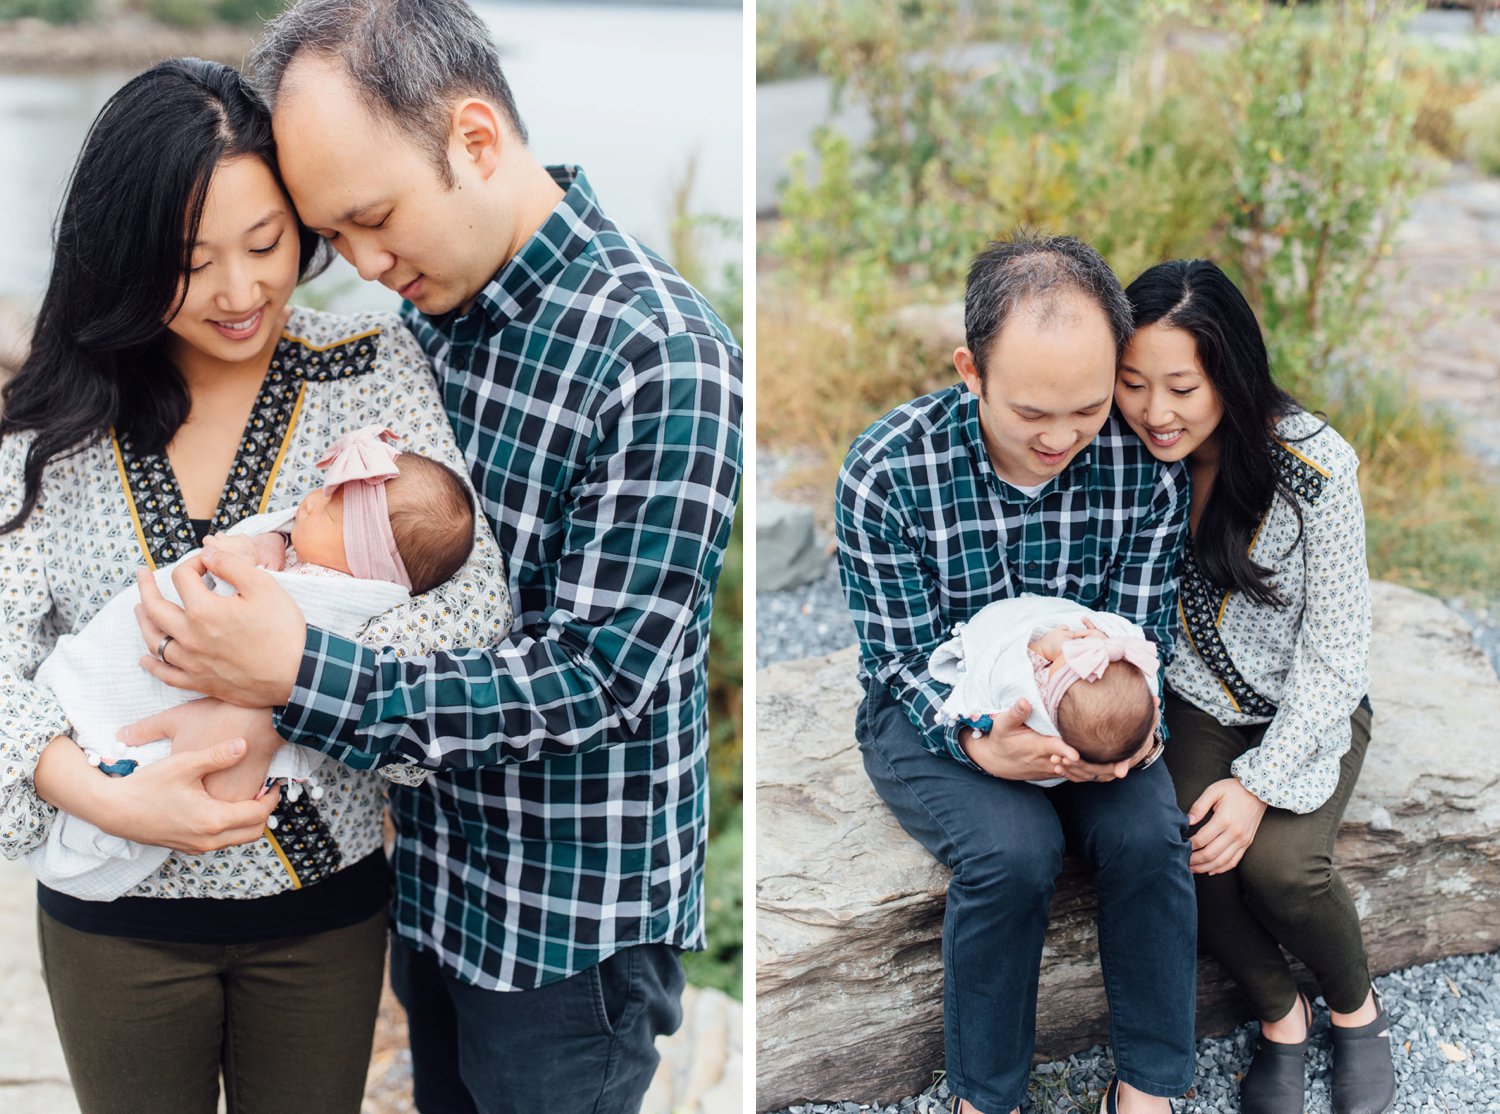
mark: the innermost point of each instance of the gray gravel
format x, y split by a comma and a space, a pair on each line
1445, 1029
802, 622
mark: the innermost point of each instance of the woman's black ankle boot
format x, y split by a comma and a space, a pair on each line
1364, 1079
1274, 1082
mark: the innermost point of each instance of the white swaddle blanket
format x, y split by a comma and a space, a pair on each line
102, 688
985, 661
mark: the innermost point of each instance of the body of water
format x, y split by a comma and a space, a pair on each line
635, 95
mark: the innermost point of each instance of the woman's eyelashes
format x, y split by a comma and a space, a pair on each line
267, 250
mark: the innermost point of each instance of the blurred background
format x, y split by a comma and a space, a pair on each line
647, 98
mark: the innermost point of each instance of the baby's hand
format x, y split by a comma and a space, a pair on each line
265, 550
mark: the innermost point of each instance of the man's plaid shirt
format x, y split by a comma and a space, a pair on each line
928, 534
597, 398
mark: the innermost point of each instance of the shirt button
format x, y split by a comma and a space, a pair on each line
1033, 565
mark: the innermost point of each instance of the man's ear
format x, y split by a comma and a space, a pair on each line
968, 371
479, 134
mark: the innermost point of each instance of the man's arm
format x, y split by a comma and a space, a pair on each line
643, 542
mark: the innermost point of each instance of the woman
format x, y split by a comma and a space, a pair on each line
170, 392
1266, 703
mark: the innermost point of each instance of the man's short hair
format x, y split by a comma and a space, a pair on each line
411, 58
1042, 269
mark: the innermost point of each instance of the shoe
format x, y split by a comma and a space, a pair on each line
1364, 1079
1111, 1101
1274, 1082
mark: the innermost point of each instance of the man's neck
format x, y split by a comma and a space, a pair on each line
535, 196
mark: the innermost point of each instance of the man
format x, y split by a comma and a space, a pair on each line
548, 875
1021, 481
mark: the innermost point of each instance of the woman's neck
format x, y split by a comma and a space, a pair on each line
1203, 468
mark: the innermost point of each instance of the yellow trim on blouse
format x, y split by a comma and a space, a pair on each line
135, 518
375, 332
280, 854
286, 441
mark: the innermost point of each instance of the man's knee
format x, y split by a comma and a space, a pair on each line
1145, 841
1013, 872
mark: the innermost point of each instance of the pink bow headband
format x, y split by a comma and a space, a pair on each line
1086, 659
361, 462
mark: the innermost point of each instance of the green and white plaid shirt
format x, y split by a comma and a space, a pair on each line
597, 398
928, 534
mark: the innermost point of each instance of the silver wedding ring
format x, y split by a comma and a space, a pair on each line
161, 650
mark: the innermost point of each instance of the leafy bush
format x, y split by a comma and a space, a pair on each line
200, 13
1479, 122
1287, 144
53, 11
722, 965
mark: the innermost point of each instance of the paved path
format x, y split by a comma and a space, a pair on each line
1451, 237
701, 1069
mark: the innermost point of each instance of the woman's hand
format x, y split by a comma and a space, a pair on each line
163, 803
1221, 842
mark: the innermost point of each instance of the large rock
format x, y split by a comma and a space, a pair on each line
787, 553
848, 968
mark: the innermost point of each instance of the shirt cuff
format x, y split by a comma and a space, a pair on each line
334, 682
955, 748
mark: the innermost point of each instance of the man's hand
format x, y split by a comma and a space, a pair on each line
1221, 842
244, 648
200, 725
1015, 752
265, 551
163, 803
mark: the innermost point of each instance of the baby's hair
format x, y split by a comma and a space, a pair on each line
432, 520
1107, 720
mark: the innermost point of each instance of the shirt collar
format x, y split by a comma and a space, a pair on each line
973, 436
565, 233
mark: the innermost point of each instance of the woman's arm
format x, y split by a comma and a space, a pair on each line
1296, 765
164, 803
30, 717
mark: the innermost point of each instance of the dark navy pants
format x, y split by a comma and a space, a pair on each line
1004, 841
585, 1045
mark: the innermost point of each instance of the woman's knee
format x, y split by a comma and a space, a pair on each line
1284, 885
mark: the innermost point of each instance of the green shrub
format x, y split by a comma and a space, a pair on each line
53, 11
249, 13
722, 965
1479, 123
191, 14
1287, 146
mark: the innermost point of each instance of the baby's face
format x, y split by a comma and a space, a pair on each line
318, 530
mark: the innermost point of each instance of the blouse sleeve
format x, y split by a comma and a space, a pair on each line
473, 608
1296, 765
30, 717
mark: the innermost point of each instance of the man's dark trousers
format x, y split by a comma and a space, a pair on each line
585, 1045
1004, 841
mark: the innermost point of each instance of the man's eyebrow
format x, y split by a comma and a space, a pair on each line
349, 216
1021, 408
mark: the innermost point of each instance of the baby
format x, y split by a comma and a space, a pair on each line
1040, 648
387, 526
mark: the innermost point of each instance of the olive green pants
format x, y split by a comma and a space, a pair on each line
1285, 892
147, 1027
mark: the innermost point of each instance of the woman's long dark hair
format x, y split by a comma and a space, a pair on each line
124, 244
1195, 296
